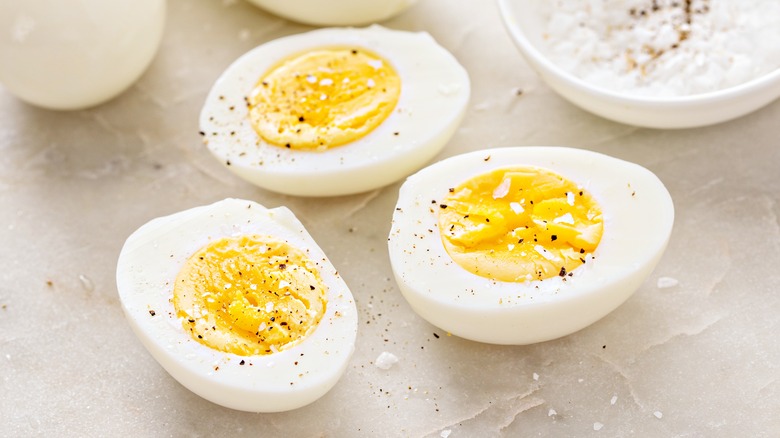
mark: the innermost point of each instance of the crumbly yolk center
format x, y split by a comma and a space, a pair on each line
323, 98
520, 223
249, 295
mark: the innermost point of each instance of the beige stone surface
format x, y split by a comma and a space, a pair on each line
699, 358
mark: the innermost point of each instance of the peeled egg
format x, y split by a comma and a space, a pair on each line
72, 55
335, 111
239, 304
335, 12
526, 244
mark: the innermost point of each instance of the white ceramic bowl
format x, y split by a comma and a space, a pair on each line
522, 20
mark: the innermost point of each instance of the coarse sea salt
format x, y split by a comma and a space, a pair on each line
663, 48
386, 360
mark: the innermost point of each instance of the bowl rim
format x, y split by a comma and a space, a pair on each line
535, 56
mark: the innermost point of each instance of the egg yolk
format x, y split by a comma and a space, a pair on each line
519, 223
249, 295
323, 98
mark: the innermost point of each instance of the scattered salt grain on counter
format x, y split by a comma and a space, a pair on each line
536, 376
614, 400
386, 360
445, 433
597, 426
551, 412
664, 47
658, 414
86, 283
666, 282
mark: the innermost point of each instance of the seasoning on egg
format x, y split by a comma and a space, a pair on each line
323, 98
538, 229
253, 294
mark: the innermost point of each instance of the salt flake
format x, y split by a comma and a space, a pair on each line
445, 433
597, 426
386, 360
502, 189
666, 282
614, 400
565, 219
551, 412
536, 376
658, 414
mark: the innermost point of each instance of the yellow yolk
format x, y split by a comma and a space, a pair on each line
324, 98
249, 295
521, 223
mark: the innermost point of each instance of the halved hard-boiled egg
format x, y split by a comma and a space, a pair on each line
335, 111
239, 304
335, 12
526, 244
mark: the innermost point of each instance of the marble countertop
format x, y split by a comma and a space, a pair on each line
701, 358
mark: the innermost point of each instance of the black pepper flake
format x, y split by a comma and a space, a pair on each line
300, 119
282, 323
227, 163
200, 336
287, 145
273, 318
563, 271
354, 52
582, 250
242, 362
265, 84
311, 287
487, 158
582, 260
443, 206
282, 266
554, 237
201, 133
231, 108
580, 192
152, 312
520, 241
435, 335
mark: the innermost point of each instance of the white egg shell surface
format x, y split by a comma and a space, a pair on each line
73, 55
335, 12
434, 93
638, 216
147, 267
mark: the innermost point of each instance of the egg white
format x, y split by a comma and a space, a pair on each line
434, 93
335, 12
638, 216
146, 271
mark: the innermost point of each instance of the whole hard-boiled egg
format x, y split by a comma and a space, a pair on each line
335, 111
239, 304
526, 244
72, 55
335, 12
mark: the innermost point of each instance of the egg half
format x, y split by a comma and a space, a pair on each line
239, 304
335, 111
335, 12
526, 244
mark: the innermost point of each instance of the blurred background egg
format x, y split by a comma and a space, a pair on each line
72, 55
335, 12
239, 304
526, 244
335, 111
